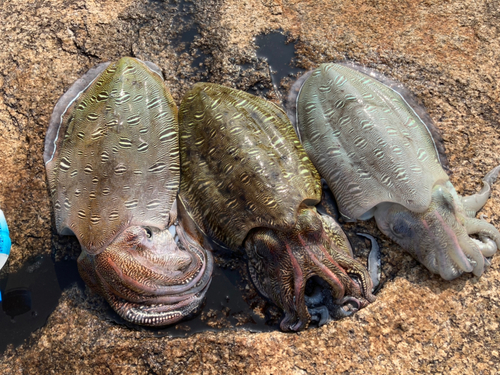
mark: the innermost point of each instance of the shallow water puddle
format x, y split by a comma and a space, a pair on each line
280, 55
30, 295
224, 308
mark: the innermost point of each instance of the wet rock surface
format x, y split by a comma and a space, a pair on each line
446, 53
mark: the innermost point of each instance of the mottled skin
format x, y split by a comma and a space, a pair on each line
247, 184
379, 158
112, 160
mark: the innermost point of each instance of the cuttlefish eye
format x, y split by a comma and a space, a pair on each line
445, 200
401, 227
149, 232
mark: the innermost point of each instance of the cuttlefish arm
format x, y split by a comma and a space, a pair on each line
488, 242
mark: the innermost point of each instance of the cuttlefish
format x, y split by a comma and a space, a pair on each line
112, 160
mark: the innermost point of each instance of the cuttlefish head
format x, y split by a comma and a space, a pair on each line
439, 237
150, 276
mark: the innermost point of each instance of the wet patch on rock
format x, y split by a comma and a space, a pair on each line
279, 52
30, 295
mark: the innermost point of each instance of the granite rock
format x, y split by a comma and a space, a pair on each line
446, 52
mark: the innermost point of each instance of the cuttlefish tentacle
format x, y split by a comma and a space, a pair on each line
473, 203
374, 260
487, 233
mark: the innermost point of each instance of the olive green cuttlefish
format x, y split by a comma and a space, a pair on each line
112, 160
247, 184
376, 149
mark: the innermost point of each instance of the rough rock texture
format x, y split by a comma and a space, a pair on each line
445, 52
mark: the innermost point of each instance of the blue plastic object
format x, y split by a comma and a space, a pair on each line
5, 242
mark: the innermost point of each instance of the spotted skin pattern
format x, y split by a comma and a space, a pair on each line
112, 163
379, 158
260, 160
247, 184
118, 141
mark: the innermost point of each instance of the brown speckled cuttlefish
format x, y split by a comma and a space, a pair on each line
248, 185
112, 160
